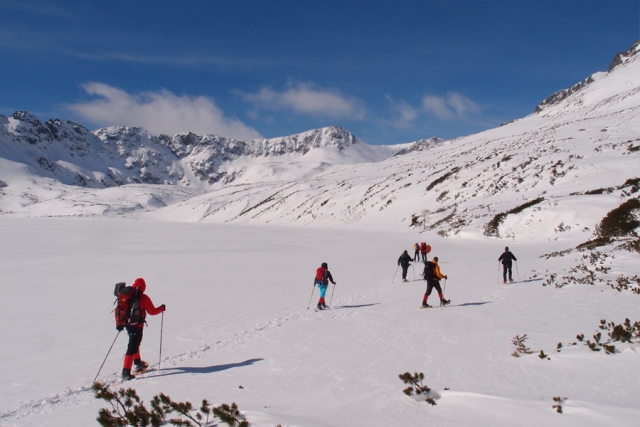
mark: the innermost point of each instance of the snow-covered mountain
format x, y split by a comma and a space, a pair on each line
578, 141
69, 153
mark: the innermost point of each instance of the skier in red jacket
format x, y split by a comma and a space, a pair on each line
132, 357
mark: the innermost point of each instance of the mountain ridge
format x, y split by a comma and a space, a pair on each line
67, 151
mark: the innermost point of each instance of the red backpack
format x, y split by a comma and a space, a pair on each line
320, 273
423, 247
128, 309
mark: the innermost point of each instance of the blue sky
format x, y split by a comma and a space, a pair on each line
388, 71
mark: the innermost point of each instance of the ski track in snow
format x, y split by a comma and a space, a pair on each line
84, 394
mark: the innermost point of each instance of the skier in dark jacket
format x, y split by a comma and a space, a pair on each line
506, 259
404, 261
323, 276
433, 275
416, 255
135, 333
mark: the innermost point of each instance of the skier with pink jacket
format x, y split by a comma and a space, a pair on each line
323, 276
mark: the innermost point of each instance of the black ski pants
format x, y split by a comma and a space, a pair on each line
431, 284
405, 268
506, 268
416, 255
135, 339
424, 256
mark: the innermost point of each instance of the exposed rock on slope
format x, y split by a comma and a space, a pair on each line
560, 95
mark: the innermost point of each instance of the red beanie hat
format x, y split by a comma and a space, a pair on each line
140, 284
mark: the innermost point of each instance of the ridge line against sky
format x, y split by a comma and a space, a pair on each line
387, 72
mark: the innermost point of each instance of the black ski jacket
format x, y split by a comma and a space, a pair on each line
506, 258
405, 259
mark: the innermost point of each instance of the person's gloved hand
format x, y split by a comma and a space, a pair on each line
163, 307
119, 328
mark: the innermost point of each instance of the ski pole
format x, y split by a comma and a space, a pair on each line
311, 297
161, 329
517, 271
332, 291
414, 271
394, 274
445, 285
498, 276
105, 358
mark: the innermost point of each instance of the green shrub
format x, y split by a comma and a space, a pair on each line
491, 229
621, 221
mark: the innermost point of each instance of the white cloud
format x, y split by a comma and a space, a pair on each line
462, 105
437, 106
454, 105
158, 112
405, 113
305, 98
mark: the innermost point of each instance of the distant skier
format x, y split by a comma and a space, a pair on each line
424, 249
416, 255
506, 259
404, 261
132, 357
433, 275
323, 276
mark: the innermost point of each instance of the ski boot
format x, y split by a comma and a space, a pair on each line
324, 306
140, 366
319, 307
444, 302
425, 305
126, 375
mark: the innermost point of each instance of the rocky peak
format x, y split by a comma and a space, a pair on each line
562, 94
30, 128
625, 56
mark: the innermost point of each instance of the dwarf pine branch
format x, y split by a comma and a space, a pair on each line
229, 415
521, 348
416, 386
127, 410
559, 401
415, 382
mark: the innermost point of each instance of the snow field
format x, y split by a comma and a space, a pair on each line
237, 315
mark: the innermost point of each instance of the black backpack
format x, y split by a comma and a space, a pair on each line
127, 310
429, 272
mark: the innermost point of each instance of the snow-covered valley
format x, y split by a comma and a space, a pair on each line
237, 315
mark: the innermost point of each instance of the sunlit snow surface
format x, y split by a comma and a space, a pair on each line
237, 315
